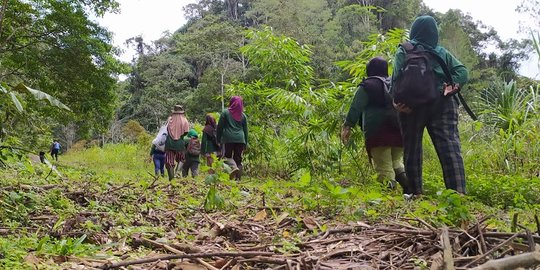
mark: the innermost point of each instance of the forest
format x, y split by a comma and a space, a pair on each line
306, 200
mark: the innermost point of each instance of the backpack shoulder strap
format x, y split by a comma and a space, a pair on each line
448, 75
384, 81
407, 46
443, 65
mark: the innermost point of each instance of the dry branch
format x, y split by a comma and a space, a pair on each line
447, 250
525, 260
186, 256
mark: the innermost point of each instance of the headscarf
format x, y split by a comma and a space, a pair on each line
374, 87
192, 134
210, 126
424, 31
178, 125
236, 108
377, 67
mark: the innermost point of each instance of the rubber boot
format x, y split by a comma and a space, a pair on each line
401, 178
234, 169
170, 172
240, 172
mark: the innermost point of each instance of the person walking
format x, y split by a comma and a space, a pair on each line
209, 143
55, 149
193, 154
439, 115
177, 128
372, 109
232, 133
158, 157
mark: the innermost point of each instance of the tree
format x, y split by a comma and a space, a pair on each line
530, 10
54, 46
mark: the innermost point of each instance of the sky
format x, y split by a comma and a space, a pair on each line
151, 18
146, 18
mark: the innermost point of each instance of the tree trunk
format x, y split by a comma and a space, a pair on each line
2, 14
222, 91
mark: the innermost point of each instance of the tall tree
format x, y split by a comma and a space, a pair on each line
54, 46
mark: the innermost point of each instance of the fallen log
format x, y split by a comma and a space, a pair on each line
525, 260
186, 256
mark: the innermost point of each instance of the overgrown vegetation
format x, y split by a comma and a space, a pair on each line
297, 77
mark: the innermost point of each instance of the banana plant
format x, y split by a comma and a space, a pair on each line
12, 101
36, 94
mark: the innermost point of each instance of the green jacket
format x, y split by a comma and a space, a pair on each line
207, 145
367, 115
231, 131
424, 32
177, 145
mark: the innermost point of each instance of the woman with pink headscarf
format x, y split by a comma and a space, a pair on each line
177, 128
232, 133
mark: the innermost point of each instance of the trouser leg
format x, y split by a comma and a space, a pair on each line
195, 169
229, 150
412, 129
237, 157
382, 162
170, 158
444, 134
157, 164
162, 165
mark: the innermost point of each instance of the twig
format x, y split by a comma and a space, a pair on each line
493, 250
404, 231
525, 260
186, 256
343, 230
536, 238
513, 228
447, 250
218, 224
537, 224
530, 240
264, 259
482, 240
49, 173
426, 224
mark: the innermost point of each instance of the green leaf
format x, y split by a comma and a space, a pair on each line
16, 102
40, 95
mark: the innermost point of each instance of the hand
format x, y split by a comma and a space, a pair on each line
345, 134
400, 107
149, 159
450, 89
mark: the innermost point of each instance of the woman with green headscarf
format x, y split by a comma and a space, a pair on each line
440, 117
193, 154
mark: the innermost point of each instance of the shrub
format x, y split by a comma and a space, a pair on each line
132, 130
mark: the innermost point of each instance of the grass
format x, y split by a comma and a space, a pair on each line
107, 195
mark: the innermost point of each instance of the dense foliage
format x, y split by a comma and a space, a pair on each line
297, 65
55, 47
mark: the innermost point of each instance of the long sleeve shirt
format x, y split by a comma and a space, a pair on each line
230, 130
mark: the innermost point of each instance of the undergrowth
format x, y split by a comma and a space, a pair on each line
115, 186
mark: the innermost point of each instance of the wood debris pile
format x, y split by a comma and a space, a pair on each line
272, 239
251, 245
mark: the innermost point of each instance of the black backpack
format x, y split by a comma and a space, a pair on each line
416, 83
382, 98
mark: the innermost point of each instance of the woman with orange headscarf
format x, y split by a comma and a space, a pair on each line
177, 128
